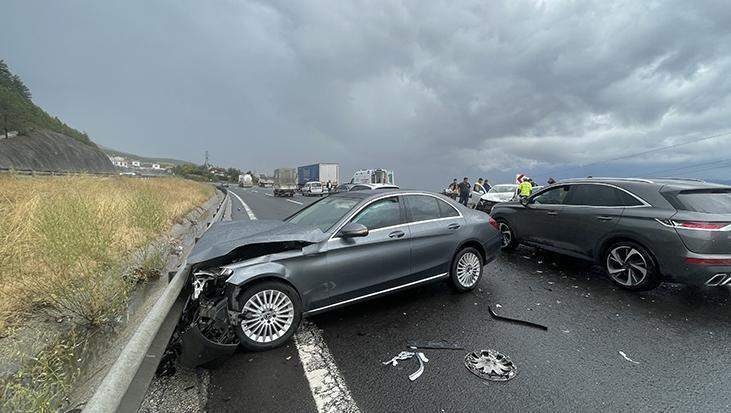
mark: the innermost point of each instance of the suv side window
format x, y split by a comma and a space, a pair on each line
446, 210
600, 195
422, 207
553, 196
382, 213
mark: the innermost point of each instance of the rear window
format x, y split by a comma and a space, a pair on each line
714, 201
422, 207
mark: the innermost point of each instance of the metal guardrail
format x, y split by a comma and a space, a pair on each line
114, 393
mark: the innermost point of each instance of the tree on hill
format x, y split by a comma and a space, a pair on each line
19, 113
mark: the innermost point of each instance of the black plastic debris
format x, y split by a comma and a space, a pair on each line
490, 365
433, 345
197, 350
516, 321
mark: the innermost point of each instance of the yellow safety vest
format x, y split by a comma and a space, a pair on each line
525, 188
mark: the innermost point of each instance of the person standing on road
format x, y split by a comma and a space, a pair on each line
525, 188
464, 191
486, 185
551, 181
479, 188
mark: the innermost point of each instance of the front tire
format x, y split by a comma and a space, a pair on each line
467, 268
631, 266
269, 314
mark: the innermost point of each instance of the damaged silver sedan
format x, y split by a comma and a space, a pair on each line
253, 281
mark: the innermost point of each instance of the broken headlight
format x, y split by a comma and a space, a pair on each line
209, 281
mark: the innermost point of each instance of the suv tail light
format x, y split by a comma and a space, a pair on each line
708, 261
493, 223
697, 225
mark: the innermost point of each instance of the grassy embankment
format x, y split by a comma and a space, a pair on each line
65, 248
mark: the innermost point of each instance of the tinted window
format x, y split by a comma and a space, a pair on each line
553, 196
717, 201
445, 210
600, 195
422, 207
325, 213
381, 213
359, 188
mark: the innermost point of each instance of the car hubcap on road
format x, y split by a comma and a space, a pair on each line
267, 315
626, 265
507, 235
468, 269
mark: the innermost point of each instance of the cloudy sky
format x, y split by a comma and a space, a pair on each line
431, 89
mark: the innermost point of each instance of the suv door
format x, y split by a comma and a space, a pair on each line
362, 265
537, 222
592, 210
435, 226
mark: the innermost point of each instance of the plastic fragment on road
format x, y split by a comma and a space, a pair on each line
490, 365
406, 355
433, 345
516, 321
621, 353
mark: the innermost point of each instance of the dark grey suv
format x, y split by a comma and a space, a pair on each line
642, 231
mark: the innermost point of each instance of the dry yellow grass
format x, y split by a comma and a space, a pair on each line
63, 239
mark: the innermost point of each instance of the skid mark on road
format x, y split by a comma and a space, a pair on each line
294, 202
328, 387
249, 212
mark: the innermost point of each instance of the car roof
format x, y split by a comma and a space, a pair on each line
374, 193
669, 183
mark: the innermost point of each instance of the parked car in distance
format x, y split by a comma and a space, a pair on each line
496, 194
370, 187
259, 278
642, 231
313, 188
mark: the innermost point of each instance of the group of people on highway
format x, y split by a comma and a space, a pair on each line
464, 189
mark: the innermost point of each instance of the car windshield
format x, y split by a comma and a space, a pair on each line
325, 213
716, 201
503, 188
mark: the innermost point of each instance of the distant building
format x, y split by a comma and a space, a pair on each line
156, 166
136, 164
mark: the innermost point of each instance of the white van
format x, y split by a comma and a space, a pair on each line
312, 188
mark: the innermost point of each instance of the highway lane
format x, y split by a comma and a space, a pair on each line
677, 335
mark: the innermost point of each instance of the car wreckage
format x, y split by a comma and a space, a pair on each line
251, 282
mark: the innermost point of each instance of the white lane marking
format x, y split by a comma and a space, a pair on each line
249, 212
268, 194
294, 202
328, 387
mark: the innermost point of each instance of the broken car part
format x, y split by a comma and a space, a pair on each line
490, 365
406, 355
433, 345
516, 321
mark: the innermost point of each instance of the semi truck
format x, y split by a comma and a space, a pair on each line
246, 181
285, 181
319, 172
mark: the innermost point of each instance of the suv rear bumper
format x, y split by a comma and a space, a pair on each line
702, 269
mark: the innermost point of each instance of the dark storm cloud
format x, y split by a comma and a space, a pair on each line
431, 89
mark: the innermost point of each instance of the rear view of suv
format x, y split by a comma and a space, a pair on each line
641, 231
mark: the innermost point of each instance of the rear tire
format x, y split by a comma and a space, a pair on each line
631, 266
269, 314
509, 242
467, 268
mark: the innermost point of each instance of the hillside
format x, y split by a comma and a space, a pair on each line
19, 113
161, 161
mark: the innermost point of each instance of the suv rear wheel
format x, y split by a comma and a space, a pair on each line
631, 266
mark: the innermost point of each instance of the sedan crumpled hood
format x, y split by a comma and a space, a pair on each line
223, 237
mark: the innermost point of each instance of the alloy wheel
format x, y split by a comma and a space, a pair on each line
506, 233
267, 316
627, 266
468, 269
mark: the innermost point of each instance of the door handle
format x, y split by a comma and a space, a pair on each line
552, 213
396, 234
453, 226
604, 218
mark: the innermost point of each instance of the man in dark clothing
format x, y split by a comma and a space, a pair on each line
464, 191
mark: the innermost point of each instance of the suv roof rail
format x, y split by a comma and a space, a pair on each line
681, 179
614, 179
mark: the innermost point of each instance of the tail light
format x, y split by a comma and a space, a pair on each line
493, 223
708, 261
697, 225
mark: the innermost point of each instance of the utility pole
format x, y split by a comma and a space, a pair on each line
205, 164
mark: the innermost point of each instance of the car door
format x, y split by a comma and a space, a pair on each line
362, 265
537, 222
435, 232
591, 211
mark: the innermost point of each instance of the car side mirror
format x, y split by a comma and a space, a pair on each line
353, 230
525, 201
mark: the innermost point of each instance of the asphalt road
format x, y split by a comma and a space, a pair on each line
677, 337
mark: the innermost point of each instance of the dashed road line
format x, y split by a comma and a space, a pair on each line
268, 194
327, 385
249, 212
294, 202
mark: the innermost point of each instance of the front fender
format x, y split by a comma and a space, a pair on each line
246, 274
